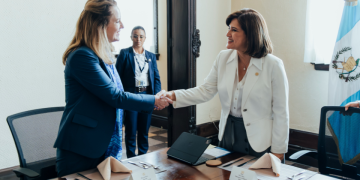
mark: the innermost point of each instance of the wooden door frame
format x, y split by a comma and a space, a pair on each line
183, 49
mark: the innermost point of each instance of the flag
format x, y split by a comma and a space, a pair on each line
344, 84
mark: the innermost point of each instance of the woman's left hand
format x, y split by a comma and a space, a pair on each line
352, 104
280, 156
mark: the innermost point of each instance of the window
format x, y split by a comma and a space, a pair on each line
322, 23
138, 13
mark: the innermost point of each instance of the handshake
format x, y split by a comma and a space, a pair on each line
163, 99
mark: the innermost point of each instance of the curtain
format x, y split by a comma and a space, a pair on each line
322, 24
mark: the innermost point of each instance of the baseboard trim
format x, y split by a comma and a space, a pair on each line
297, 138
208, 129
303, 139
159, 121
8, 171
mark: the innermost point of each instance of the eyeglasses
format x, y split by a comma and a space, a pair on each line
135, 37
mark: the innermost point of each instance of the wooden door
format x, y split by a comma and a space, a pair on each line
183, 48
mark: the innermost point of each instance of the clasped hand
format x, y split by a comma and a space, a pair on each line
352, 104
162, 100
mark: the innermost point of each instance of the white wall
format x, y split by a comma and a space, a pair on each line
162, 33
33, 37
210, 20
308, 88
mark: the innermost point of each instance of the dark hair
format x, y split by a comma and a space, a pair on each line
137, 27
257, 35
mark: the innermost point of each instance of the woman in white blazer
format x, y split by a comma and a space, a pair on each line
252, 86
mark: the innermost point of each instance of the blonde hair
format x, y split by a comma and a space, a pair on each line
91, 30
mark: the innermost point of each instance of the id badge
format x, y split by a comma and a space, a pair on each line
140, 83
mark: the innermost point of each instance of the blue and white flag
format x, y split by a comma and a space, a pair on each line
344, 84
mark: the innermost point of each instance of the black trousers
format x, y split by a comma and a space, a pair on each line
68, 162
136, 123
235, 138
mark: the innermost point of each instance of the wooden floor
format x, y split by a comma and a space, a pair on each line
157, 140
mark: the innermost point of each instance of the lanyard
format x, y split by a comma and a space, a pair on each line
141, 69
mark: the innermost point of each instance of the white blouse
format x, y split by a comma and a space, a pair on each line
237, 95
141, 77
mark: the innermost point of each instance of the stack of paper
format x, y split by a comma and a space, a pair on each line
217, 152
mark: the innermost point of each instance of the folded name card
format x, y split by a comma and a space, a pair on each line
143, 174
109, 165
268, 160
238, 173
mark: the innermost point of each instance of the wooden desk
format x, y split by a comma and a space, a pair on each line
179, 170
176, 169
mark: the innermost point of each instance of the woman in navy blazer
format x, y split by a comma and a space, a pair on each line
139, 74
93, 92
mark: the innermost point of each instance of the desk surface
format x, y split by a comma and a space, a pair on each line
176, 169
179, 170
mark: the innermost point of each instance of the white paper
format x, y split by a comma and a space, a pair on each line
211, 146
286, 171
229, 168
322, 177
217, 152
132, 167
144, 174
238, 173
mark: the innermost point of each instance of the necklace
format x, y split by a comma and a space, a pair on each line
243, 64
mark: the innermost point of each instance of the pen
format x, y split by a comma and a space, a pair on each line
245, 162
83, 176
233, 162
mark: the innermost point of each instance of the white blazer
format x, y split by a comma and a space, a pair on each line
264, 105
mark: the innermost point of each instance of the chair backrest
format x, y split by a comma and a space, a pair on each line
339, 150
34, 133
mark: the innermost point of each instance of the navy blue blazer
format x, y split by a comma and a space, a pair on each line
125, 65
91, 101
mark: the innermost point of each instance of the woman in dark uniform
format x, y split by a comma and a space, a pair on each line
139, 74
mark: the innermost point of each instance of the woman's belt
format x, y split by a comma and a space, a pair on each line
141, 88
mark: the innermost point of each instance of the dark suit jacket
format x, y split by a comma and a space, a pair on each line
91, 101
125, 65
